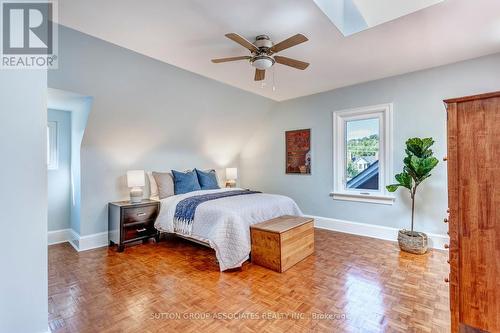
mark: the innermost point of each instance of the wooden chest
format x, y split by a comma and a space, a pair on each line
282, 242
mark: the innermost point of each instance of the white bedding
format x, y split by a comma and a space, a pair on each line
225, 223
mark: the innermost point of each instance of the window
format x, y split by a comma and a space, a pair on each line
362, 155
52, 146
352, 16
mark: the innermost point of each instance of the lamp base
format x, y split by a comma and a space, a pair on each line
230, 183
136, 195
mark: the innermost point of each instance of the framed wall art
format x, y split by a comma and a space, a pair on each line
298, 151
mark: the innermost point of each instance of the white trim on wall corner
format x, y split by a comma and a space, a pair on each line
79, 243
93, 241
436, 241
74, 240
58, 236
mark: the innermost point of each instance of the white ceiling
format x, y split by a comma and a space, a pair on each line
188, 33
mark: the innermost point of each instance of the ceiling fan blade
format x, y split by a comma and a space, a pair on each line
291, 62
260, 74
216, 61
289, 42
242, 41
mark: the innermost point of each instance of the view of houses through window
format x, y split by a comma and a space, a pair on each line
362, 154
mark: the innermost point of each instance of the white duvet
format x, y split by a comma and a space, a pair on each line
225, 223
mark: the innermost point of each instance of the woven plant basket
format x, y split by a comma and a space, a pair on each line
413, 243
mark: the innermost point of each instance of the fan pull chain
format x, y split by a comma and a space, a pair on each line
274, 78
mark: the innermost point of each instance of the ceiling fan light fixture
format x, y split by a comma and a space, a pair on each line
263, 53
262, 62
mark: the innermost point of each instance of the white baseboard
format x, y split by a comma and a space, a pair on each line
371, 230
93, 241
88, 242
58, 236
79, 243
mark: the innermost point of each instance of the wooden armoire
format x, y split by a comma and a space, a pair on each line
474, 212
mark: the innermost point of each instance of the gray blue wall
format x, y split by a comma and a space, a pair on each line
147, 115
418, 111
59, 180
23, 201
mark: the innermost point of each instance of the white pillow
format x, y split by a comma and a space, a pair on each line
153, 187
164, 183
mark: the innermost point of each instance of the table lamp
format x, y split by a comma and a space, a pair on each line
231, 176
135, 180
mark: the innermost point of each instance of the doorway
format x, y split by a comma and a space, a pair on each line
67, 118
58, 174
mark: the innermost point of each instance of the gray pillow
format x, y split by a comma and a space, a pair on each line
165, 184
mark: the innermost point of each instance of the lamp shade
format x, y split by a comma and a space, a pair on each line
231, 173
135, 178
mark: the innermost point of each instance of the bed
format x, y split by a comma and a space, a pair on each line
224, 224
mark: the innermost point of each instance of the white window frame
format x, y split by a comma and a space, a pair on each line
52, 146
384, 113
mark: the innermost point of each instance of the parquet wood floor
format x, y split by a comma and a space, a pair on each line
350, 284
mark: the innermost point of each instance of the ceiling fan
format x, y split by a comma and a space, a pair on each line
263, 52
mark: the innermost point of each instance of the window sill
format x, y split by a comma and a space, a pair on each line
378, 199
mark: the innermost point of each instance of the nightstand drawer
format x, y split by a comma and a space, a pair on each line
138, 231
139, 214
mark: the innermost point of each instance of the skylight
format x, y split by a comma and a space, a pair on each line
352, 16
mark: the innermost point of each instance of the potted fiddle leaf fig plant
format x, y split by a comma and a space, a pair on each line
418, 164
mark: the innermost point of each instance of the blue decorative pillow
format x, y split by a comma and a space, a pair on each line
207, 179
185, 182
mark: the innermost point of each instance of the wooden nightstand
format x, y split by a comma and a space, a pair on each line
132, 222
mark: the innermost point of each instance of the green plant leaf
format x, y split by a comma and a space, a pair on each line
424, 178
415, 164
427, 143
419, 147
406, 161
411, 172
420, 167
392, 188
404, 179
426, 165
414, 145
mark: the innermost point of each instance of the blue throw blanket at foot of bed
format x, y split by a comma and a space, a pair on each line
186, 208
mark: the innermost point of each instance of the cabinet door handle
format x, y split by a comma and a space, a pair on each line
446, 280
445, 158
141, 214
445, 220
446, 246
141, 230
